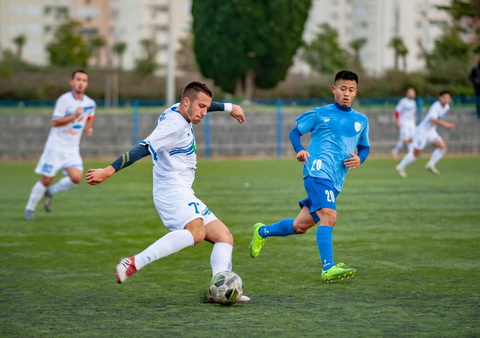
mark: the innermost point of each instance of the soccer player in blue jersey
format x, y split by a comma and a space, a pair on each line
339, 143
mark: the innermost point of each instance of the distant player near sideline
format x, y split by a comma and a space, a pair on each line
339, 143
405, 113
426, 133
173, 150
74, 111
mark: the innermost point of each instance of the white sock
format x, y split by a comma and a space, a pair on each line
64, 184
436, 156
221, 257
170, 243
410, 147
407, 159
398, 146
37, 192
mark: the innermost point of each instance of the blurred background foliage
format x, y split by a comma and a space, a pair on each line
252, 66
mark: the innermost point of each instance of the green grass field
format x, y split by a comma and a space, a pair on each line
415, 243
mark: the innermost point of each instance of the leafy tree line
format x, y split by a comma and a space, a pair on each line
245, 48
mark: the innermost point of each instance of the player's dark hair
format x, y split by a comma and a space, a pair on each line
443, 92
346, 75
193, 88
78, 71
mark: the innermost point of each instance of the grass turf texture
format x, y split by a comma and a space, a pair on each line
415, 243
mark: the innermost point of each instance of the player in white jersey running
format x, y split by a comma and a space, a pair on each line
74, 111
405, 113
173, 150
426, 133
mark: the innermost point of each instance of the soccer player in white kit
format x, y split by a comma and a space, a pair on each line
173, 150
426, 133
74, 111
405, 113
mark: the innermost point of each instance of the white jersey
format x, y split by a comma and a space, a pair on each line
173, 149
407, 109
436, 112
67, 138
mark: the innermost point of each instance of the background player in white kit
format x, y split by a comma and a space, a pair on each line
173, 150
426, 133
74, 111
405, 113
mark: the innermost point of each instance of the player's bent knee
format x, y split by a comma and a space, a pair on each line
76, 180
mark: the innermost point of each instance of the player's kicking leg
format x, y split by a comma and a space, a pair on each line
261, 231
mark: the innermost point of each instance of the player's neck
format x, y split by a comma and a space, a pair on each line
339, 106
77, 95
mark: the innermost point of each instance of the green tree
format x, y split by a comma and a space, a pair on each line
400, 51
324, 53
148, 64
250, 43
466, 19
95, 46
448, 62
119, 49
68, 48
357, 45
20, 41
185, 55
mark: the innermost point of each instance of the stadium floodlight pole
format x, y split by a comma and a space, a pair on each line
170, 99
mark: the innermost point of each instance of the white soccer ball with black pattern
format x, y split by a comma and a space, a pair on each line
226, 288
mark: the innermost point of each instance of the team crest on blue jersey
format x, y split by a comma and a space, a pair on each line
357, 126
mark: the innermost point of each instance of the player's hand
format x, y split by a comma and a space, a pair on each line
302, 156
237, 113
78, 112
450, 125
89, 131
97, 176
352, 162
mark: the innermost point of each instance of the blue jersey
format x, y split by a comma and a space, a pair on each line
335, 132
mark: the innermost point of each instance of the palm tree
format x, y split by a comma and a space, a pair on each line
20, 41
357, 45
119, 48
400, 50
96, 44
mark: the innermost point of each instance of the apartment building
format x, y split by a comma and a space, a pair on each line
417, 22
128, 21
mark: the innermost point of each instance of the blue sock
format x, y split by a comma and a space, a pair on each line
324, 242
281, 228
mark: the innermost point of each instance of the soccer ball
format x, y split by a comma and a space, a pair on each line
226, 288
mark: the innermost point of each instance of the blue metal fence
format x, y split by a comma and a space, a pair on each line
361, 104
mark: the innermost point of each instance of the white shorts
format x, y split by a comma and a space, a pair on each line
180, 207
421, 138
407, 131
52, 161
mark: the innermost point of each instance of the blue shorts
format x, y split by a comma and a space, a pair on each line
321, 194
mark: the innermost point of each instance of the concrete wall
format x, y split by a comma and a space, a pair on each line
23, 136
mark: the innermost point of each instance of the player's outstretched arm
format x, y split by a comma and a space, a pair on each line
444, 124
235, 110
96, 176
